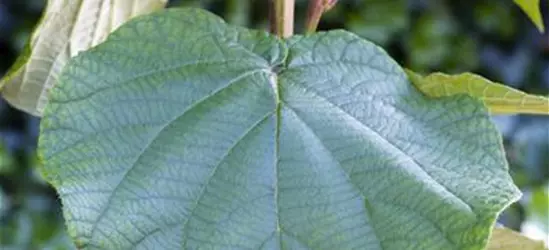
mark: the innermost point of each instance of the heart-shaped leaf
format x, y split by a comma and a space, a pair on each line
67, 28
181, 132
499, 99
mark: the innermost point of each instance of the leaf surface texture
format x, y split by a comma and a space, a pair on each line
181, 132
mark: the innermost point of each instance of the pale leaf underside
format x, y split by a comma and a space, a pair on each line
181, 132
67, 28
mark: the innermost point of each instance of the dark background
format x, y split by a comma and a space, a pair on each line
493, 38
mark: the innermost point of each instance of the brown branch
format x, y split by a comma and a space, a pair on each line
281, 17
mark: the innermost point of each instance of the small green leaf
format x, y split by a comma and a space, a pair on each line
499, 99
506, 239
67, 27
532, 10
182, 132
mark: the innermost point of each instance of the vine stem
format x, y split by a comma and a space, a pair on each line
314, 13
282, 17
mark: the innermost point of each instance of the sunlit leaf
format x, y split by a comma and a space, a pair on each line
4, 203
506, 239
66, 28
532, 9
499, 99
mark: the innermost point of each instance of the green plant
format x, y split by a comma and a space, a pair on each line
182, 132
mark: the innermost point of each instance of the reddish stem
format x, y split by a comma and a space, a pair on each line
315, 11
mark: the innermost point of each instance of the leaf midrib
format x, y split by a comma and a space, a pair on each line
214, 171
387, 142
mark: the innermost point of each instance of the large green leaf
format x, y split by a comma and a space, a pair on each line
67, 28
531, 8
499, 99
181, 132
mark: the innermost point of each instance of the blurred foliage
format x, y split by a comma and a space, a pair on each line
506, 239
492, 38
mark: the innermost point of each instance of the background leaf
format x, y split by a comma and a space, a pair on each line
378, 20
506, 239
231, 138
67, 28
499, 99
531, 8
